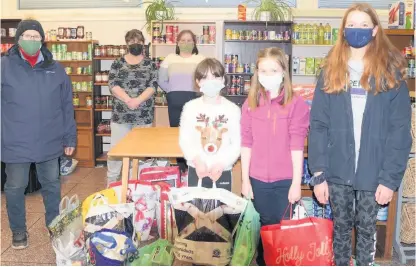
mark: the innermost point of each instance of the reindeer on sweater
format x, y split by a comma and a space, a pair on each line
211, 135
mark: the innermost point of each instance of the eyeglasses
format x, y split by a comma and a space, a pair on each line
31, 37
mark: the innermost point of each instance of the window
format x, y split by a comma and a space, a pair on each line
219, 3
377, 4
62, 4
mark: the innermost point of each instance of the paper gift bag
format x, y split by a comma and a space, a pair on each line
164, 214
144, 197
206, 220
170, 175
303, 242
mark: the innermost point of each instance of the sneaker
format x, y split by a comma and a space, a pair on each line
20, 240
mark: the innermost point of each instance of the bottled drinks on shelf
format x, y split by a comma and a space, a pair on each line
309, 31
321, 33
327, 34
315, 34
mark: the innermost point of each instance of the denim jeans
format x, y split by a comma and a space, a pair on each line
17, 180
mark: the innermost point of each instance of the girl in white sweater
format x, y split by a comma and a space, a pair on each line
209, 133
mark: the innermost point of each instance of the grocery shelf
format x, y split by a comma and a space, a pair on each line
65, 41
101, 84
313, 45
81, 75
84, 126
83, 108
103, 134
259, 41
106, 58
103, 109
402, 32
102, 157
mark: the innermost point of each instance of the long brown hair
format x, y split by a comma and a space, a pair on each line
381, 60
257, 90
182, 33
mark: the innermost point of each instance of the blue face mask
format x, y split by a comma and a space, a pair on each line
358, 37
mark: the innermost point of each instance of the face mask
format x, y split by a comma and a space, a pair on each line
358, 37
212, 88
271, 83
31, 47
186, 48
136, 49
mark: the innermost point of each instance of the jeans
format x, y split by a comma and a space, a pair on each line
118, 132
17, 179
270, 201
364, 216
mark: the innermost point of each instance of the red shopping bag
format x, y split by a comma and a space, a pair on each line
303, 242
170, 175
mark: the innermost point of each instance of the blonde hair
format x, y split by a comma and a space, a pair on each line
257, 90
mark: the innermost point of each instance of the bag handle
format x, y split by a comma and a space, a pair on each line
291, 211
74, 202
98, 197
63, 205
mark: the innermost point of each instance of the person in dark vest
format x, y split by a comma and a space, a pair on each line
37, 124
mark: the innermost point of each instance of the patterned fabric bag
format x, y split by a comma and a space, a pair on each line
158, 253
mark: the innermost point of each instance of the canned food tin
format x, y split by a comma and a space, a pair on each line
241, 35
411, 63
252, 67
74, 55
90, 86
79, 86
246, 68
260, 35
74, 86
228, 34
279, 36
84, 86
205, 30
234, 35
85, 56
265, 35
68, 70
64, 48
68, 56
233, 67
89, 69
227, 67
79, 70
53, 48
287, 35
79, 55
254, 35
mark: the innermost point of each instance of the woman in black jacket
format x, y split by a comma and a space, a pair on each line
360, 138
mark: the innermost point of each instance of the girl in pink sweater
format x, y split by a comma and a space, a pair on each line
274, 126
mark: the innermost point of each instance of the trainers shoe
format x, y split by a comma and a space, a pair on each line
20, 240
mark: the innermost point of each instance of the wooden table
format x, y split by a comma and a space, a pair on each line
163, 142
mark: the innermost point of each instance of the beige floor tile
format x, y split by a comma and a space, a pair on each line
97, 176
77, 175
6, 236
39, 251
66, 188
9, 263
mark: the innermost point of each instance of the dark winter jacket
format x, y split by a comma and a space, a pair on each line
385, 138
37, 115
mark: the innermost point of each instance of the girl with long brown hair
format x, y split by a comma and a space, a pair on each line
274, 126
359, 139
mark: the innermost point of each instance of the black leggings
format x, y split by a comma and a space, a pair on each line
270, 201
176, 101
225, 180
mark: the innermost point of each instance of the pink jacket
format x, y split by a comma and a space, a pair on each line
272, 131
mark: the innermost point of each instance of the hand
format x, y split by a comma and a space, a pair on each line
133, 103
247, 190
295, 193
201, 169
383, 194
69, 151
322, 192
216, 172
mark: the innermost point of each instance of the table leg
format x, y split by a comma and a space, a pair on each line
135, 169
125, 179
388, 245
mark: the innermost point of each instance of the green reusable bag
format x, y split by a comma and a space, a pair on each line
158, 253
247, 239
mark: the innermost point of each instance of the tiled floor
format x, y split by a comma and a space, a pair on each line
82, 182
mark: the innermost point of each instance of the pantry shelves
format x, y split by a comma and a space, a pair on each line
103, 134
401, 32
106, 58
103, 109
101, 84
312, 45
65, 41
82, 108
80, 75
259, 41
102, 157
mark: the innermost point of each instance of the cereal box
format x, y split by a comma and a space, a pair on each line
306, 91
401, 14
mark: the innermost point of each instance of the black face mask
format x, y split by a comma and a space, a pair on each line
136, 49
